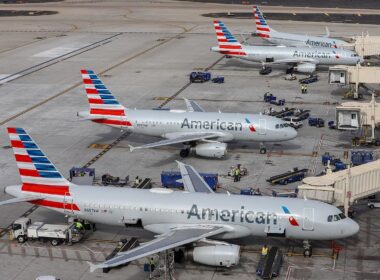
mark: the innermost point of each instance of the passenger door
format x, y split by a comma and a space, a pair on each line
68, 204
263, 126
308, 219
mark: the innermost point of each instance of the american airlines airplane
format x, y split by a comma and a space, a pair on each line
202, 133
264, 31
196, 215
302, 59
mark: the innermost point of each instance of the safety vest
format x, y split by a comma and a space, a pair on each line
264, 251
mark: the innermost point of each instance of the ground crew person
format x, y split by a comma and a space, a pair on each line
79, 226
152, 264
264, 251
305, 88
237, 174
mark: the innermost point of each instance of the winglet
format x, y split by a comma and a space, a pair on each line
94, 267
131, 148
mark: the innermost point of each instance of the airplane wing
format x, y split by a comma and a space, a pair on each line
193, 106
20, 199
192, 181
181, 139
176, 237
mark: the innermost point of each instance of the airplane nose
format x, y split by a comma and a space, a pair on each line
354, 227
291, 133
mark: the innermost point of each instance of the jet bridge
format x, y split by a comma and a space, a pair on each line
359, 115
366, 45
344, 187
354, 76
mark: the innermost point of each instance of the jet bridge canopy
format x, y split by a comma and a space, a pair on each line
344, 187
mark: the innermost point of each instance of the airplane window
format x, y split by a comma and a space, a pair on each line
286, 125
342, 216
277, 126
329, 218
336, 218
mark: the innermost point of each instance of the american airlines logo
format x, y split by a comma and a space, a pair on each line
292, 220
226, 215
320, 44
218, 125
312, 54
251, 127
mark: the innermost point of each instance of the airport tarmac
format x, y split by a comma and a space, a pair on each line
144, 52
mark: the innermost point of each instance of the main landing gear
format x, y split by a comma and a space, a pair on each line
307, 249
184, 153
265, 70
263, 149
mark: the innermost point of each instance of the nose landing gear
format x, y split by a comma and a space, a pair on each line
307, 249
263, 149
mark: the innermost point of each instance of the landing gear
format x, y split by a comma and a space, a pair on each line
184, 152
263, 149
265, 70
307, 249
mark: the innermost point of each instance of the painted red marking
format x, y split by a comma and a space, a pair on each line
83, 71
263, 29
232, 47
233, 53
47, 189
55, 204
87, 81
263, 35
293, 221
113, 122
252, 128
23, 158
222, 40
91, 91
28, 172
95, 101
12, 130
17, 144
117, 112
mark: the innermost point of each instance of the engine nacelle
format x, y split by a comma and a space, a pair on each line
211, 150
306, 68
217, 255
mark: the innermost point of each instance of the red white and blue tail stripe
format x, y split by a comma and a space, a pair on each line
262, 28
104, 108
38, 174
227, 43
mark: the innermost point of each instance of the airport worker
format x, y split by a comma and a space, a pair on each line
305, 88
79, 226
152, 264
236, 174
264, 250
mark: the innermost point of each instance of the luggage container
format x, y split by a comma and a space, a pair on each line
172, 179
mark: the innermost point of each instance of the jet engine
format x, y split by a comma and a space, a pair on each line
306, 68
211, 149
217, 255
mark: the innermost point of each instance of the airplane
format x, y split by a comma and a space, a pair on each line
302, 59
202, 133
196, 215
264, 31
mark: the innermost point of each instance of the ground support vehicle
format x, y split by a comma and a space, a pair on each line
23, 229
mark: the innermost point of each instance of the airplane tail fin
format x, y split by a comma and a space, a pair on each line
227, 43
262, 28
38, 173
327, 32
104, 108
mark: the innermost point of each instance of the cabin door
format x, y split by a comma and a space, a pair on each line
68, 204
263, 126
308, 219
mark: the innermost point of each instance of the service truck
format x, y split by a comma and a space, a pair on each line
23, 229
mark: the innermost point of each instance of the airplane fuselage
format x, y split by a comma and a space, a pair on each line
230, 126
319, 56
292, 40
158, 210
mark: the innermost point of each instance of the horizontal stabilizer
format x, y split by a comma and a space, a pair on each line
20, 199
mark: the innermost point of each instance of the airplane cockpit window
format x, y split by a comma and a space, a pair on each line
354, 55
342, 216
277, 126
329, 218
336, 218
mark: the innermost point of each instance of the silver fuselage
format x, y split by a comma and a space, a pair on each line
161, 209
230, 126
